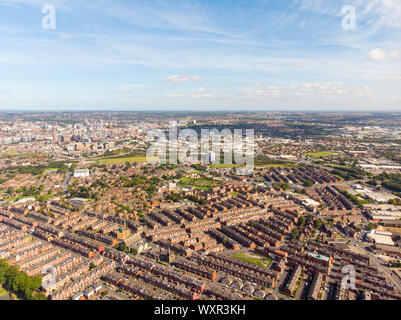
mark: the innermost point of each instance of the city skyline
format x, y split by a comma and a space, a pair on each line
201, 56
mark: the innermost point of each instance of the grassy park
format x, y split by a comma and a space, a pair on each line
263, 262
321, 154
3, 292
281, 165
199, 183
128, 159
216, 166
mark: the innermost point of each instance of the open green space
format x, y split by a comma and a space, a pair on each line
129, 159
334, 165
215, 166
194, 172
281, 165
3, 292
41, 197
262, 262
321, 154
19, 283
199, 183
24, 155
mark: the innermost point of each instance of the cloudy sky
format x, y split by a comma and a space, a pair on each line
201, 55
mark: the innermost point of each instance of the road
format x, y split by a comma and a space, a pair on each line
115, 295
67, 180
376, 262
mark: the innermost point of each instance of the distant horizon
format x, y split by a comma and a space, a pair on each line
200, 111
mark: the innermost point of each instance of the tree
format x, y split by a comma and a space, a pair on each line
282, 185
122, 247
20, 283
294, 234
308, 183
318, 223
371, 226
38, 296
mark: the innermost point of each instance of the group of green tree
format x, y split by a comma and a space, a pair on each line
170, 177
303, 220
19, 283
349, 173
124, 248
84, 192
32, 191
175, 197
308, 183
39, 169
390, 181
355, 199
393, 154
392, 185
396, 264
196, 199
281, 185
100, 184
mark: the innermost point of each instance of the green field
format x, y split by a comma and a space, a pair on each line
215, 166
24, 155
3, 292
194, 172
256, 261
123, 160
321, 154
333, 165
201, 183
282, 165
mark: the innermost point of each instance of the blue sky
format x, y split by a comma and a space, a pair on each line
200, 55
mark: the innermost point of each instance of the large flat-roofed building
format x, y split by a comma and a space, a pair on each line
318, 258
383, 212
391, 223
381, 237
81, 173
78, 202
391, 250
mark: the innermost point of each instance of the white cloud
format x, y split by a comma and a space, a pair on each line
177, 95
202, 93
394, 77
380, 55
126, 91
394, 54
182, 78
389, 12
377, 54
296, 64
65, 36
326, 89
